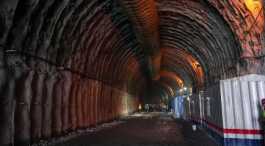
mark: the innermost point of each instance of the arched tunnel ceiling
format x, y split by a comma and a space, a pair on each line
83, 37
70, 64
196, 29
127, 43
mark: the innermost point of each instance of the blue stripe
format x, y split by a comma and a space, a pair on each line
242, 142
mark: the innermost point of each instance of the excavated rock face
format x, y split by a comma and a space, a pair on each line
225, 38
197, 28
65, 65
71, 64
246, 19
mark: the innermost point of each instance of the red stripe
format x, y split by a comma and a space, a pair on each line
243, 131
232, 131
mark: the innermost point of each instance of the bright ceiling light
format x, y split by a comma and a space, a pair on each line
254, 6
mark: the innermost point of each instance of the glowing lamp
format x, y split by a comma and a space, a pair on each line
254, 6
140, 107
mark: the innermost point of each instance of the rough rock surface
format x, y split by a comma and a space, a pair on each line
70, 64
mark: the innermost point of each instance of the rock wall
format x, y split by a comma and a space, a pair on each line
40, 105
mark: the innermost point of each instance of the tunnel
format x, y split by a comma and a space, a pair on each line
67, 66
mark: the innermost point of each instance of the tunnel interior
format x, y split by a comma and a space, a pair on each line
72, 64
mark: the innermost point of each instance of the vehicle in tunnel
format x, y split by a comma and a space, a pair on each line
156, 107
72, 65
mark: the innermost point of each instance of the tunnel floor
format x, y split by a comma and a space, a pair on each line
144, 129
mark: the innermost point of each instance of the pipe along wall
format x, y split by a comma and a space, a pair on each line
39, 105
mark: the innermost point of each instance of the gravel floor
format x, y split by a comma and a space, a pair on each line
145, 129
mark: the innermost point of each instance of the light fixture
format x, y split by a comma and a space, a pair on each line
140, 107
254, 6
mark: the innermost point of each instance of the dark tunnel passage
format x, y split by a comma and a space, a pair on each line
67, 65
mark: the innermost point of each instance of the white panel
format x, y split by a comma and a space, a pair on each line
234, 104
261, 93
237, 104
246, 116
261, 89
223, 101
241, 101
254, 104
229, 107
